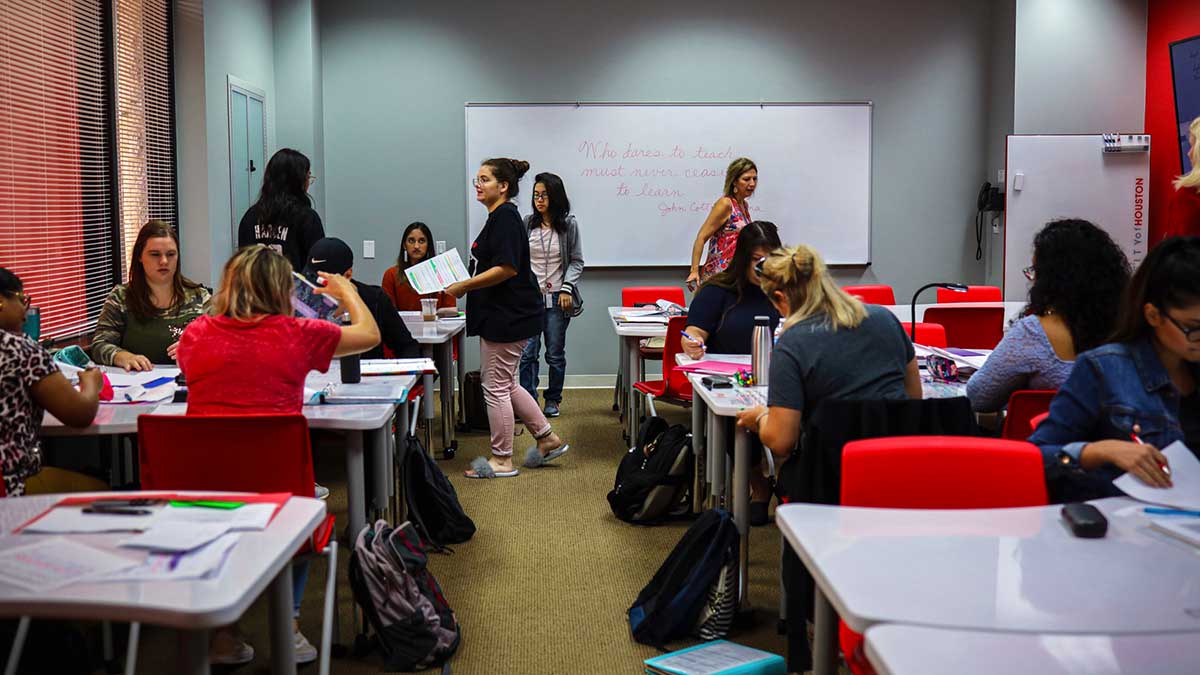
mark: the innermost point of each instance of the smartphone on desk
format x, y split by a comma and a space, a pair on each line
308, 304
716, 382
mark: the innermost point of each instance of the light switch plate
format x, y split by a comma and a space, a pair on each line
368, 248
439, 247
1000, 176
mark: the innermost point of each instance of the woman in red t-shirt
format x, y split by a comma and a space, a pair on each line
414, 248
1183, 212
250, 356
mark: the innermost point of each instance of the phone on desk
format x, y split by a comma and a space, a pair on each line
310, 305
716, 382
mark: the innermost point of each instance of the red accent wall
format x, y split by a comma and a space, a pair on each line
1168, 21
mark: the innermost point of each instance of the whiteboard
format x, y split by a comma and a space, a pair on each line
642, 177
1071, 177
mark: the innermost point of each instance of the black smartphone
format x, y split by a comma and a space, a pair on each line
117, 511
716, 382
1085, 520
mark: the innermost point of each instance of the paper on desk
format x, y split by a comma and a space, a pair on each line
170, 409
973, 359
712, 367
397, 366
1184, 492
437, 273
176, 537
244, 517
204, 562
120, 378
64, 519
55, 562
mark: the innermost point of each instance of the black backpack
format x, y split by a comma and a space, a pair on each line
473, 406
654, 476
413, 624
433, 505
670, 607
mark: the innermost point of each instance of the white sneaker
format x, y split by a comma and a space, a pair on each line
228, 649
320, 491
305, 652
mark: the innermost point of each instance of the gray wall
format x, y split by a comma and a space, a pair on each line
1080, 66
1000, 125
298, 104
396, 76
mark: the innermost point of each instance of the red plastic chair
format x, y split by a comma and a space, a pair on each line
969, 327
972, 294
1036, 420
632, 296
1023, 406
674, 387
936, 472
238, 453
928, 334
875, 294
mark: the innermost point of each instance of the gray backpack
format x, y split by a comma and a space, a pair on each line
413, 624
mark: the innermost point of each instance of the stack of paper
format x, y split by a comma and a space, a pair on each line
201, 563
397, 366
437, 273
55, 562
718, 657
713, 367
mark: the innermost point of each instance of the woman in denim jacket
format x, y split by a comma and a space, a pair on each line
1142, 386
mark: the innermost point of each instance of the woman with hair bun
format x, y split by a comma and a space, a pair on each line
728, 216
833, 347
504, 308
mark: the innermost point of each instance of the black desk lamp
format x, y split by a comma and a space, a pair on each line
937, 284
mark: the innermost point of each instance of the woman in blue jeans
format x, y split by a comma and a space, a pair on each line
556, 256
1127, 400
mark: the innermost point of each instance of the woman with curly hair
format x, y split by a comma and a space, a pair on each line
1078, 275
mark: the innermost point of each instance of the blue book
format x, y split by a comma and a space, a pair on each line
719, 657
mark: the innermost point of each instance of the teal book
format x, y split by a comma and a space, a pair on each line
719, 657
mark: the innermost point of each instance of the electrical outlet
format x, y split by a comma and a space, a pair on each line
368, 248
439, 247
1000, 176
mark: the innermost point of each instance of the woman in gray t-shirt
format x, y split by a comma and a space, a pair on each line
832, 347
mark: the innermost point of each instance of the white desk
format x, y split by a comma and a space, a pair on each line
629, 335
1008, 570
1012, 310
895, 649
437, 339
192, 607
369, 426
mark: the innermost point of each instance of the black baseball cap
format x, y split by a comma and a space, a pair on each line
330, 255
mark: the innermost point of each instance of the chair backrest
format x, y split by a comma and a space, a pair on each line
1023, 406
928, 334
1036, 420
241, 453
969, 327
972, 294
942, 472
632, 296
678, 385
875, 294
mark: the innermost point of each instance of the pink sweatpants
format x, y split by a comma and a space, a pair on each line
504, 395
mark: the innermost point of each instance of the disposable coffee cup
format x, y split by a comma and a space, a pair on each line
429, 309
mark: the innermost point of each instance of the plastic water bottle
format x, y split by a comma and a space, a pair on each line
760, 354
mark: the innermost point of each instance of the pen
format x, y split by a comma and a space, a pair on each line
1136, 439
174, 562
118, 511
693, 338
1159, 511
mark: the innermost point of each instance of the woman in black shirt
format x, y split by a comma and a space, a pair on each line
504, 308
283, 218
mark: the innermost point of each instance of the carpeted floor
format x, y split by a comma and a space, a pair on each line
543, 586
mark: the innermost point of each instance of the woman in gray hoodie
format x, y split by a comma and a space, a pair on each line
556, 255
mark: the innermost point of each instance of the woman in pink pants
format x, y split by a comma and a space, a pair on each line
504, 308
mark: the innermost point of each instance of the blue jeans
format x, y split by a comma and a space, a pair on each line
299, 578
554, 328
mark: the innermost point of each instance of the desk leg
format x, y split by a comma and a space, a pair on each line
283, 646
716, 459
633, 371
380, 454
355, 483
397, 469
193, 652
622, 359
460, 340
825, 645
445, 364
741, 509
699, 454
427, 402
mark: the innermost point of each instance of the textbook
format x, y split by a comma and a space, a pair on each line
719, 657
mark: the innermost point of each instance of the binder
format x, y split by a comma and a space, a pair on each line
719, 657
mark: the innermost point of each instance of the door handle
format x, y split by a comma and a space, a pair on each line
252, 169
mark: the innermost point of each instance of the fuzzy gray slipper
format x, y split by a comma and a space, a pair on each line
534, 458
481, 468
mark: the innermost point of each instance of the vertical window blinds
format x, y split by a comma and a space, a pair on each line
87, 146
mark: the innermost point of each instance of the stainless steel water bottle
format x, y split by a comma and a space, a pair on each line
760, 351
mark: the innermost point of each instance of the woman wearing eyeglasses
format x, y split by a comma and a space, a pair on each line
504, 308
1126, 401
556, 256
283, 218
1078, 274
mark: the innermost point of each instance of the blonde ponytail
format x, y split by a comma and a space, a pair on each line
800, 274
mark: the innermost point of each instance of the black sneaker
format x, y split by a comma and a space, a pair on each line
551, 409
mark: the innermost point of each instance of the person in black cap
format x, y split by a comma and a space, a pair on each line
332, 256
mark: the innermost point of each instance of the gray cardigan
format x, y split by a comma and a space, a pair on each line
571, 248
